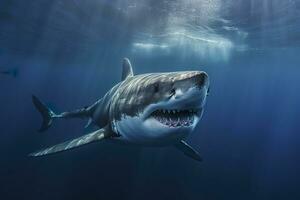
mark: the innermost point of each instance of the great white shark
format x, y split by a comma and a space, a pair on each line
154, 109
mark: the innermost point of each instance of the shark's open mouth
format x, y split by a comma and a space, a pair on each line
175, 118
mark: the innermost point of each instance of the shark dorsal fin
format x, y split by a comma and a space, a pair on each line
127, 69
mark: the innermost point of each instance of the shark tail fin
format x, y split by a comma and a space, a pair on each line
46, 113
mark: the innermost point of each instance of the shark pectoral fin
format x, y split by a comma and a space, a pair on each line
85, 139
188, 150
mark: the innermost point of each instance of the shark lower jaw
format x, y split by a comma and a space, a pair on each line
175, 118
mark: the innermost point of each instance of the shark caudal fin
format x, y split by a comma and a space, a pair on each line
46, 113
83, 140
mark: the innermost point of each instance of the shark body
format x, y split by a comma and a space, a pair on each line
155, 109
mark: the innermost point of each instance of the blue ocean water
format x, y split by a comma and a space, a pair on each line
69, 53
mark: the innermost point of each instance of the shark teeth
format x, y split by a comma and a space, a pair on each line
175, 118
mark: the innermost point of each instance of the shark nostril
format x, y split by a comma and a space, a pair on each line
156, 88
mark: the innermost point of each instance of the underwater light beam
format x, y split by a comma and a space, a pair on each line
149, 45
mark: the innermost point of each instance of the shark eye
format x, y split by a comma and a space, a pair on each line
173, 91
208, 90
156, 87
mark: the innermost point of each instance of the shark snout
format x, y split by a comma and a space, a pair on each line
192, 91
200, 79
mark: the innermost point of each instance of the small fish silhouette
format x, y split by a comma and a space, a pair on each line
11, 72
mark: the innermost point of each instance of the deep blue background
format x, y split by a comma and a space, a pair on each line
69, 54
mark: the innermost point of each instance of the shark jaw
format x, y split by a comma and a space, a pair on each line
176, 118
181, 111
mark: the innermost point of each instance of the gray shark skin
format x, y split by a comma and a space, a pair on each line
155, 109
